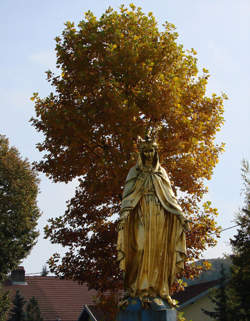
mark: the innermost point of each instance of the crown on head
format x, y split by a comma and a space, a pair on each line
149, 141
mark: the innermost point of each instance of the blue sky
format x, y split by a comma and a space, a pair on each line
219, 30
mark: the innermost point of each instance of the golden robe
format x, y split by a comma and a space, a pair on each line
151, 245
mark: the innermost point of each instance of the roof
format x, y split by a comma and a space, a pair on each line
57, 298
66, 300
194, 292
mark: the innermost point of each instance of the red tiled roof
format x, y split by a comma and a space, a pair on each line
57, 298
65, 299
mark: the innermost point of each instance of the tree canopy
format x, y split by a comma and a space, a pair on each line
18, 207
120, 74
240, 281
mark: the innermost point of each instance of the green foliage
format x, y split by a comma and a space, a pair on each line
233, 303
33, 311
240, 282
20, 313
220, 300
18, 207
17, 312
4, 304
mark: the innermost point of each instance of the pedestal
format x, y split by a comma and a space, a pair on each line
155, 310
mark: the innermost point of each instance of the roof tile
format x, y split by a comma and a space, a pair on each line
56, 297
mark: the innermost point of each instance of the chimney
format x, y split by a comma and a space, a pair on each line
18, 276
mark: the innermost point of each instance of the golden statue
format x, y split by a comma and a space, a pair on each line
151, 239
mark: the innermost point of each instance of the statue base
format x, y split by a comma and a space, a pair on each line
155, 309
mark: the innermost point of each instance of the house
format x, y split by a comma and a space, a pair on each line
58, 299
66, 300
194, 298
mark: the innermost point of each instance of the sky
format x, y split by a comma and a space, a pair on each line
219, 30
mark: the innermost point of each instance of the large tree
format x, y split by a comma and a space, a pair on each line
240, 281
18, 207
118, 75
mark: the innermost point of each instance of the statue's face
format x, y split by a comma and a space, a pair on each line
149, 153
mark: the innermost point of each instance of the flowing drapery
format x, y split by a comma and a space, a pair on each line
151, 245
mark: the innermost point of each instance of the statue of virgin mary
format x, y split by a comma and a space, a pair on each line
151, 238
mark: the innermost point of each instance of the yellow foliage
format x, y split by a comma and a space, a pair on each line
120, 74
